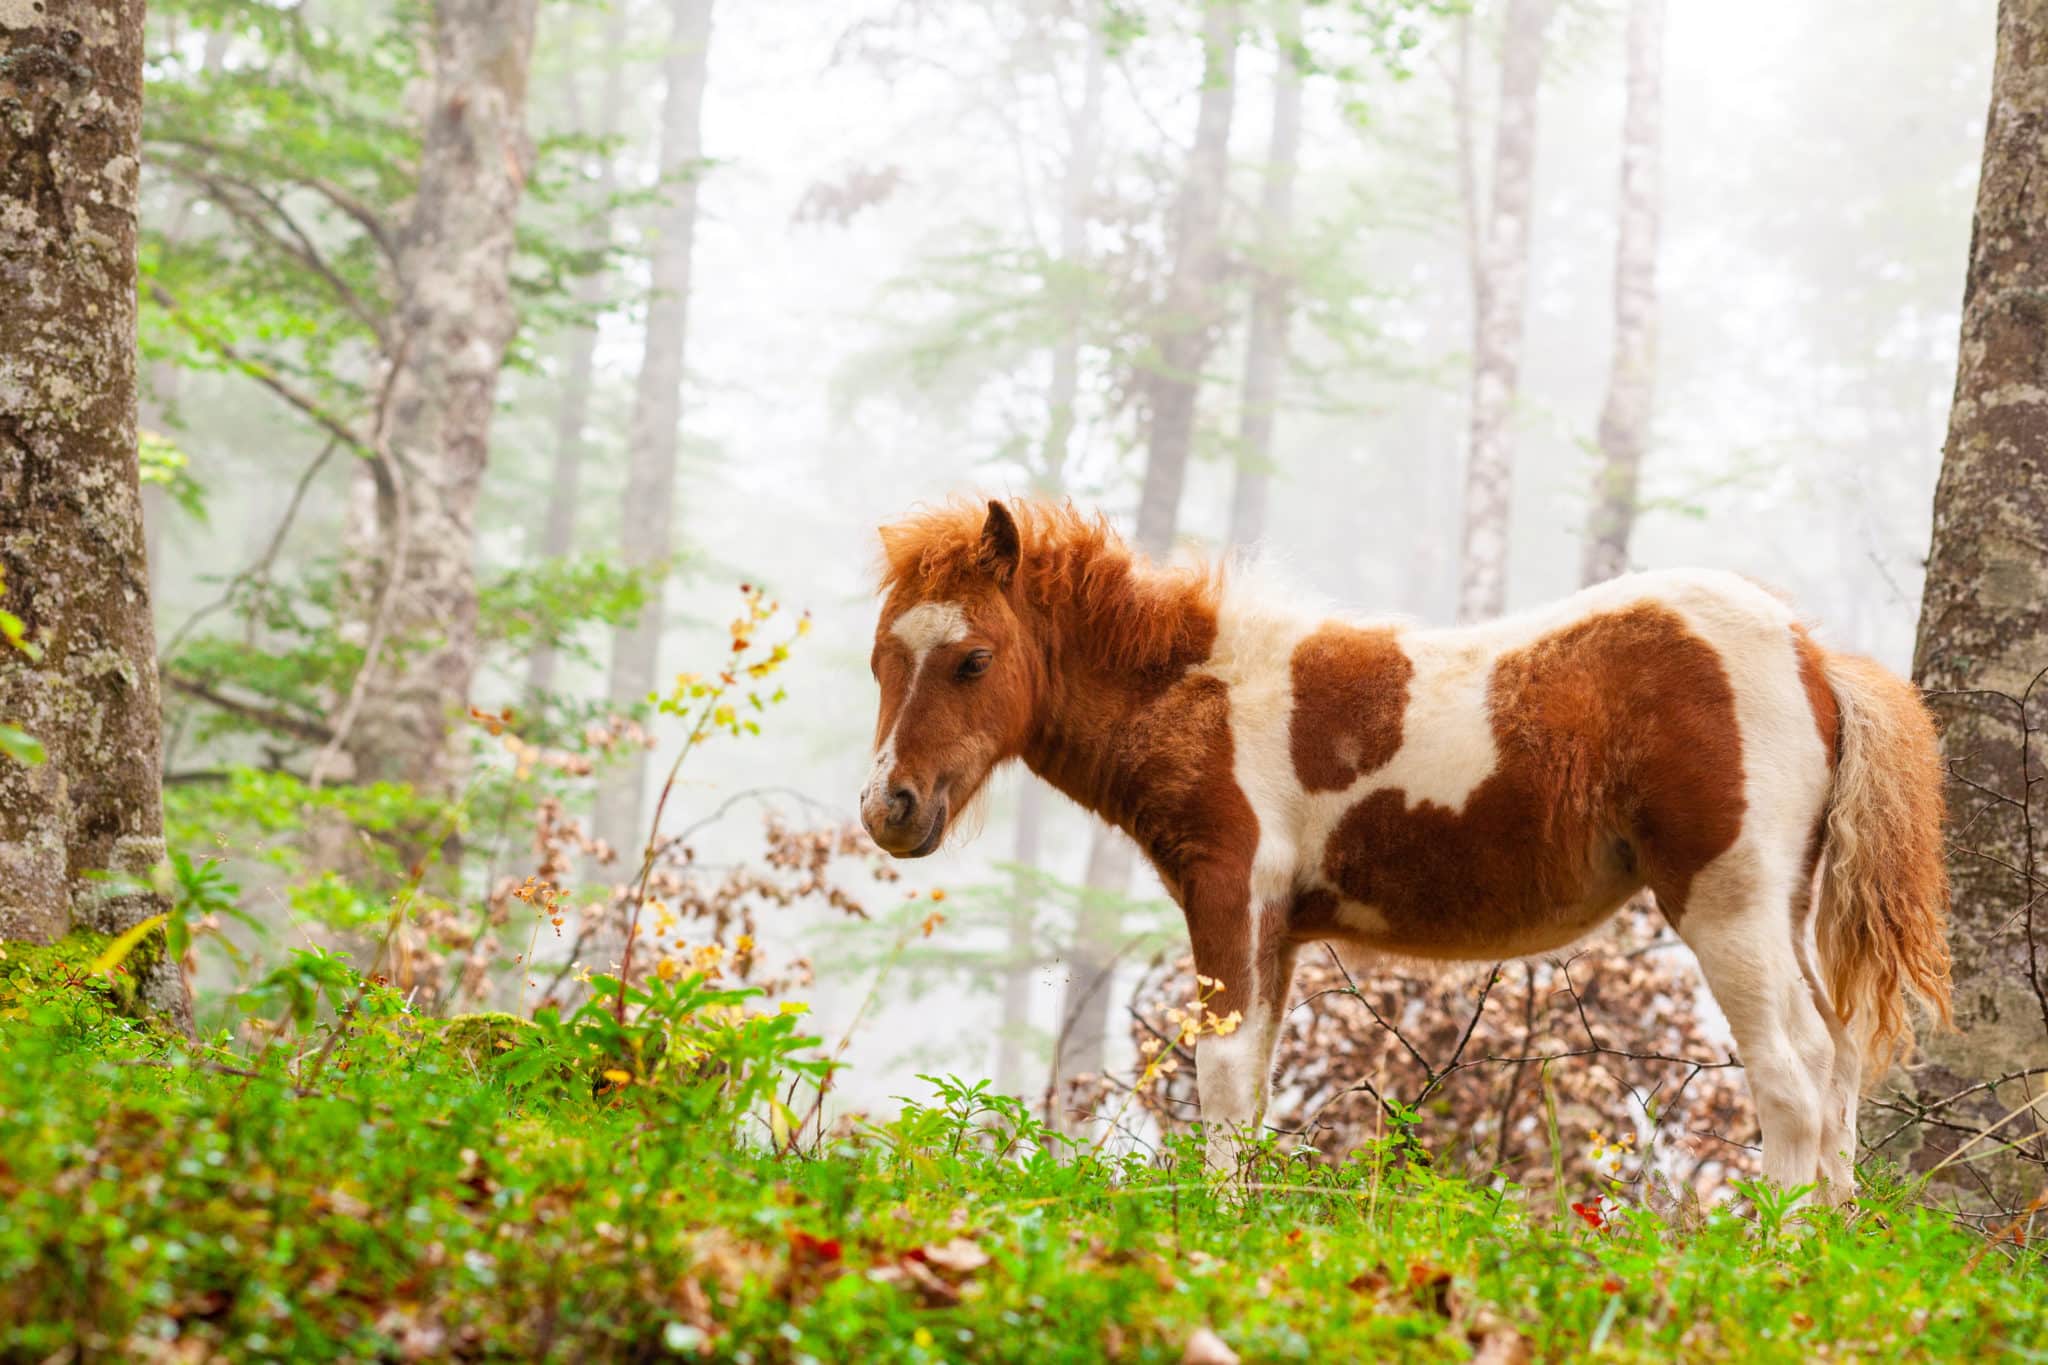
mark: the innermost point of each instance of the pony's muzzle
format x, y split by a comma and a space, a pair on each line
904, 826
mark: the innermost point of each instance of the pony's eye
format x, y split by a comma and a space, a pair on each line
975, 664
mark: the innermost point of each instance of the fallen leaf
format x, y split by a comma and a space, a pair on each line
957, 1257
805, 1248
1502, 1347
1206, 1348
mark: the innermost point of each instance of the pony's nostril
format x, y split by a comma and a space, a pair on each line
901, 803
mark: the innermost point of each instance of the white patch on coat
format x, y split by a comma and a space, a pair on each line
928, 625
1253, 657
923, 628
1232, 1074
1447, 746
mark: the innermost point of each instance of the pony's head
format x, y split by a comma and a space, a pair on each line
959, 669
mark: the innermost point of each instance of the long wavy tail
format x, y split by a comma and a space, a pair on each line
1883, 919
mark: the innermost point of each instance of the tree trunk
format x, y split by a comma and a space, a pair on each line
1631, 385
71, 536
1502, 283
1084, 153
1186, 335
1023, 954
1265, 350
1049, 479
1186, 328
455, 317
579, 348
1983, 646
647, 520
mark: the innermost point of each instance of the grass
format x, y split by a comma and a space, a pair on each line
584, 1190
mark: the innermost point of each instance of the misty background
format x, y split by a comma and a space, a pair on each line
861, 338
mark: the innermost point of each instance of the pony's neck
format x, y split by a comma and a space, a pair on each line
1116, 646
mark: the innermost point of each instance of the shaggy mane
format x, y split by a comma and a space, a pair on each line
1122, 608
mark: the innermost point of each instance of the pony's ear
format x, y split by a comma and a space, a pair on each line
1001, 547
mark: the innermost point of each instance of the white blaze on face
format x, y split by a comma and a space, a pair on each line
922, 629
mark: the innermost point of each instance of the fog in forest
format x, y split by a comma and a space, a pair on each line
892, 265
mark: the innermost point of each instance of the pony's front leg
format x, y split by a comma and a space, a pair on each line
1248, 957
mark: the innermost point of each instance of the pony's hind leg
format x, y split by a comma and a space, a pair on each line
1737, 919
1843, 1088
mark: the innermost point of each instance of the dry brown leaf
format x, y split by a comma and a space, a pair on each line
957, 1257
1503, 1346
1206, 1348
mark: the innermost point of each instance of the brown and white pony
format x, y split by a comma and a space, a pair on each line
1471, 794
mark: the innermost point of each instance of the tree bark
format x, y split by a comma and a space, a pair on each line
1265, 350
647, 520
1501, 282
1185, 336
1631, 385
71, 534
579, 348
1982, 653
416, 513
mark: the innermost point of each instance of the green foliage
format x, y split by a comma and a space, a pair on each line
20, 745
15, 743
166, 466
550, 602
584, 1189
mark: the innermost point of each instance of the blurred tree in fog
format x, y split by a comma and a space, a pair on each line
1184, 331
368, 195
1625, 419
413, 529
579, 342
1265, 342
1499, 243
647, 515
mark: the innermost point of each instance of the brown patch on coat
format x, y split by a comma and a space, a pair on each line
1813, 676
1619, 765
1350, 690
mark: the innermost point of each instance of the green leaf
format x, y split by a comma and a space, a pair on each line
21, 746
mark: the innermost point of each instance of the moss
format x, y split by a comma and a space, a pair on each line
478, 1038
61, 971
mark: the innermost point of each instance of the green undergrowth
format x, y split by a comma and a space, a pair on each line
580, 1190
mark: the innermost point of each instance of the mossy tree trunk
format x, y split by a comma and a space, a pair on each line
1983, 658
71, 533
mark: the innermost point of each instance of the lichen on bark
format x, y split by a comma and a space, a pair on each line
71, 541
1983, 644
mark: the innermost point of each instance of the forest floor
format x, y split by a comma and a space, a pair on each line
398, 1189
